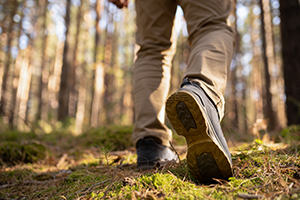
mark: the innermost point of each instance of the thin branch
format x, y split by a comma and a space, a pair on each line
249, 196
87, 189
175, 150
113, 178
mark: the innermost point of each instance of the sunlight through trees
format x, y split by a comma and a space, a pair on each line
71, 61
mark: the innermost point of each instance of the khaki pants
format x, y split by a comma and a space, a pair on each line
211, 42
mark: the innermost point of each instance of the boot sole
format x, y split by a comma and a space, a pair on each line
205, 158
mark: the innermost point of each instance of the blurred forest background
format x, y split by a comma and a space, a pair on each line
70, 62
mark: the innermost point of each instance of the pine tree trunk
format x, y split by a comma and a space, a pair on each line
72, 83
54, 79
44, 78
256, 72
109, 76
24, 87
27, 85
126, 93
64, 91
98, 75
16, 77
268, 60
81, 102
233, 99
113, 108
3, 92
290, 34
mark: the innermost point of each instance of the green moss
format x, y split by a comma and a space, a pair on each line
82, 177
14, 176
258, 161
291, 134
34, 152
16, 136
256, 168
116, 137
10, 152
167, 185
13, 152
181, 171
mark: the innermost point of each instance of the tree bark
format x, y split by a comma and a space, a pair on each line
24, 87
290, 35
81, 102
126, 93
16, 77
64, 91
3, 108
44, 78
108, 76
234, 116
72, 81
98, 75
268, 60
256, 72
112, 107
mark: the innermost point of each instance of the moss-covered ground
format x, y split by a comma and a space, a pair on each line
100, 164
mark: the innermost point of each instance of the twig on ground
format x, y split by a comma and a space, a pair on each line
214, 189
294, 180
238, 170
62, 160
87, 189
175, 150
172, 174
220, 181
249, 196
113, 178
185, 175
281, 180
259, 186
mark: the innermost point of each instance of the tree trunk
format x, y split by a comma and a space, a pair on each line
109, 76
3, 92
126, 93
72, 80
290, 34
98, 75
64, 91
54, 79
268, 60
112, 107
81, 102
24, 87
256, 72
44, 78
16, 76
234, 113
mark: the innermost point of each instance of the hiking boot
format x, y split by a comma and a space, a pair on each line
193, 115
150, 151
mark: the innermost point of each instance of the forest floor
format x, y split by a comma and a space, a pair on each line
100, 164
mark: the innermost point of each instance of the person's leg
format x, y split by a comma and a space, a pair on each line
212, 42
152, 68
195, 110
